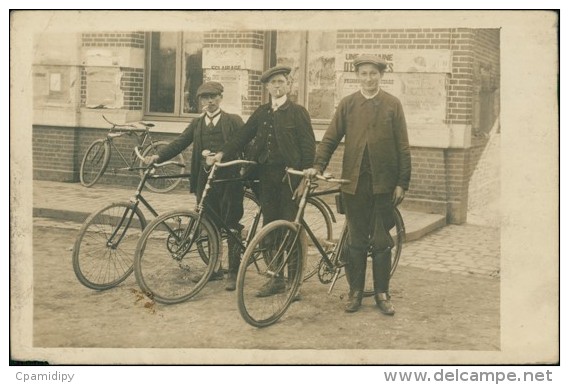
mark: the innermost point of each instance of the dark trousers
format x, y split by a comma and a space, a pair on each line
226, 200
369, 217
275, 195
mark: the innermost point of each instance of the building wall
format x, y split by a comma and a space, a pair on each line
444, 153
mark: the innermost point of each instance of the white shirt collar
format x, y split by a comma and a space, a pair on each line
210, 114
276, 103
372, 96
216, 115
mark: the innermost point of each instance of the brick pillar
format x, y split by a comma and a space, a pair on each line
236, 59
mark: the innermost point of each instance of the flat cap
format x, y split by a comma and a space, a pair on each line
280, 69
210, 88
370, 59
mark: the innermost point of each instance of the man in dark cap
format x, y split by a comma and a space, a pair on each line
377, 161
210, 132
280, 135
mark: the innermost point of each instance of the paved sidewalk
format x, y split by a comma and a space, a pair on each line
469, 249
73, 202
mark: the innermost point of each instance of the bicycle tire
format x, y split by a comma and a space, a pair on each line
398, 235
276, 239
98, 262
94, 162
163, 185
169, 270
318, 219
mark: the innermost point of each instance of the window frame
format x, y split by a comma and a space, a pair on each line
178, 114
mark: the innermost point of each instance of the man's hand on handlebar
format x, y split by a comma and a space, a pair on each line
211, 160
151, 159
311, 172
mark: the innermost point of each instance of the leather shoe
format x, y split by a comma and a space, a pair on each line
383, 301
272, 287
231, 282
354, 302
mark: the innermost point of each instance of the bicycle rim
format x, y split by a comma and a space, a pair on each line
270, 273
94, 163
104, 249
168, 266
163, 185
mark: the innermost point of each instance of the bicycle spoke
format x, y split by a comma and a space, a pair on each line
270, 274
100, 260
170, 266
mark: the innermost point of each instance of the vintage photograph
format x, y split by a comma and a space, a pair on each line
266, 187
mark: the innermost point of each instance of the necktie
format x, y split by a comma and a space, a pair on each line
210, 124
275, 106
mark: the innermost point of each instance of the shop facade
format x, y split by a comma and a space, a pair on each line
448, 80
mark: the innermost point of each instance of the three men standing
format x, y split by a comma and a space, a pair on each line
279, 134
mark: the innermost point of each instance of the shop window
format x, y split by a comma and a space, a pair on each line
311, 55
174, 73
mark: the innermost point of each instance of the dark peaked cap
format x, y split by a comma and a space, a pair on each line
280, 69
370, 59
210, 88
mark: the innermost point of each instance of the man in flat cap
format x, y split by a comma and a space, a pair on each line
210, 132
280, 135
377, 161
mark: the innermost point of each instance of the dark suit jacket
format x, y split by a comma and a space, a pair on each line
293, 130
192, 134
385, 134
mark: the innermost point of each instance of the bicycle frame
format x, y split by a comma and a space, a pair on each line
189, 236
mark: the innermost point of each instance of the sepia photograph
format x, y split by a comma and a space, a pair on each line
342, 187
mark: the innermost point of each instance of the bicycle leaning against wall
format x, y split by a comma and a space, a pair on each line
98, 157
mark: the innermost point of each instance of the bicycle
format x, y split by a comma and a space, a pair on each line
275, 257
179, 250
103, 252
98, 156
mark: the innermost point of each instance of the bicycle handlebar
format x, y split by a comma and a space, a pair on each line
207, 153
166, 163
326, 177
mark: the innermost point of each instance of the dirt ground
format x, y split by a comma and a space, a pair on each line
435, 311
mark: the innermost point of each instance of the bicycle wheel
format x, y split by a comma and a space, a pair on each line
103, 252
270, 273
167, 265
318, 219
398, 235
95, 162
163, 185
251, 210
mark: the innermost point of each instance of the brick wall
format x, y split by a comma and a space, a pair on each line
132, 80
54, 153
113, 39
255, 93
132, 84
234, 39
459, 40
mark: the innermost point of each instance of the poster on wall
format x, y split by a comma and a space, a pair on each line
400, 60
104, 87
234, 87
423, 95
